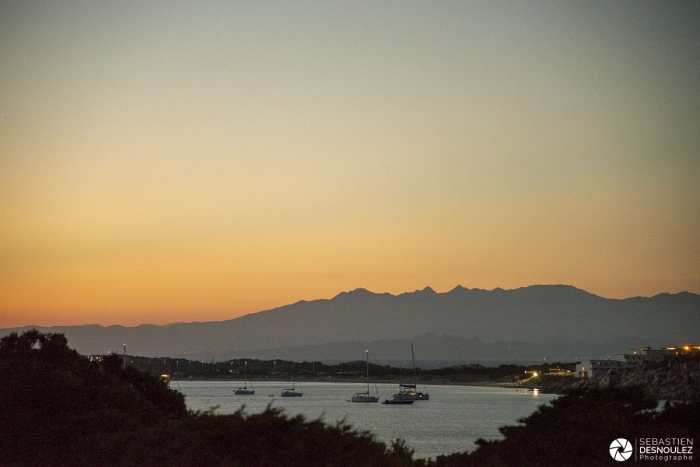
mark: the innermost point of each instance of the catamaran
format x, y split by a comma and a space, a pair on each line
244, 391
364, 396
408, 392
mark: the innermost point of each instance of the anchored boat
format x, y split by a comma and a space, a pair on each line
244, 391
292, 392
365, 396
397, 401
408, 392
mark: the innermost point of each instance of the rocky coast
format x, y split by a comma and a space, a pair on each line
676, 378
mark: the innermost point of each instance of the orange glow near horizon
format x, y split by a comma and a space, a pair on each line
231, 158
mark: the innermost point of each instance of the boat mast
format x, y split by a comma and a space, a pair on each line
413, 359
367, 352
294, 381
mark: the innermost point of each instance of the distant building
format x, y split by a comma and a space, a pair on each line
589, 368
647, 354
688, 349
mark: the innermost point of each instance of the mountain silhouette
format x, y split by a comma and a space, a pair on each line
539, 315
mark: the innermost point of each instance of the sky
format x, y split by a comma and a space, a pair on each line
197, 161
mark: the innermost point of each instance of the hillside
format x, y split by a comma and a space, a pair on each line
675, 378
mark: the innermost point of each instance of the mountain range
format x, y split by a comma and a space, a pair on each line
553, 322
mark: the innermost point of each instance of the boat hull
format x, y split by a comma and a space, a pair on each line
412, 396
363, 397
397, 402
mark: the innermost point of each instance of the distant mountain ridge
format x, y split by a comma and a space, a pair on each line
539, 314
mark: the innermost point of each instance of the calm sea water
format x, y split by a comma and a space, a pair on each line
453, 418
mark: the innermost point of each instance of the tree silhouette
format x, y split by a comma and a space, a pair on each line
578, 428
59, 408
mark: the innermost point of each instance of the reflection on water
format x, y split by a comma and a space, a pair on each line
453, 418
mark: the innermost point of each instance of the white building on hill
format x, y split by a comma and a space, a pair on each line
588, 368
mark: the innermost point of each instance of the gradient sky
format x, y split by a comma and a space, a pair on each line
196, 161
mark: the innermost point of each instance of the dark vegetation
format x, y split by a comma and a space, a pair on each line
577, 429
475, 373
61, 409
181, 368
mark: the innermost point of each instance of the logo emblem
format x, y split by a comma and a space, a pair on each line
621, 449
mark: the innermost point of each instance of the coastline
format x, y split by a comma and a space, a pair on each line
362, 381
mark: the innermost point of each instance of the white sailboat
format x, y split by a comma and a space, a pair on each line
364, 396
244, 391
408, 392
292, 392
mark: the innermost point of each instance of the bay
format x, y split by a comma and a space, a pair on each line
451, 421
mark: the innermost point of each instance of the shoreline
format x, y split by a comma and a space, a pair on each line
344, 381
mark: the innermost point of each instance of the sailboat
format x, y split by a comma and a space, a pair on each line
364, 396
244, 391
292, 392
407, 392
394, 400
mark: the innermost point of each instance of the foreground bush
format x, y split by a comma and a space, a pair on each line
57, 408
578, 428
